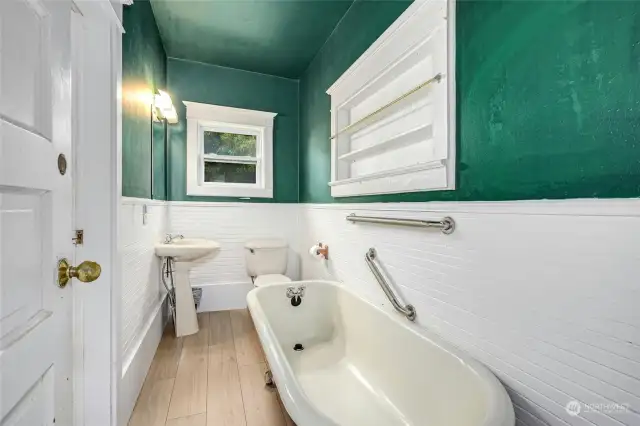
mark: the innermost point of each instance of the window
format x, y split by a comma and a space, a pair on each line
393, 110
229, 151
229, 156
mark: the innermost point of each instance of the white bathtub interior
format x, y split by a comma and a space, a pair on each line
360, 368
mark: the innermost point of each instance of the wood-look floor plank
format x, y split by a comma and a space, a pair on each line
195, 420
224, 398
153, 403
248, 349
225, 406
165, 361
219, 378
221, 335
260, 403
190, 390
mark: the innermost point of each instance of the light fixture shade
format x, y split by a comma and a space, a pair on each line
164, 107
163, 100
171, 116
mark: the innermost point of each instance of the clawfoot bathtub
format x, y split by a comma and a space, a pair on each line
339, 360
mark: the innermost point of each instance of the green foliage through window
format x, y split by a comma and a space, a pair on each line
229, 172
220, 143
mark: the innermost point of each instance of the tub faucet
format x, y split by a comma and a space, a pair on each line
170, 237
296, 294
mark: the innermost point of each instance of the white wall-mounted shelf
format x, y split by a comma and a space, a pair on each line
393, 110
403, 139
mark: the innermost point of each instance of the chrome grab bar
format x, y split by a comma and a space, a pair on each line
447, 225
408, 310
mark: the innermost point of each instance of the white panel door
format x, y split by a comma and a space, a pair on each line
35, 212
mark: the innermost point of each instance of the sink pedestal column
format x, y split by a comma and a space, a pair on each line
186, 318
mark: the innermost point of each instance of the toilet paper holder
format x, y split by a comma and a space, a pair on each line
323, 250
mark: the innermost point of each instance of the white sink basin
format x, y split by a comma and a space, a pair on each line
186, 249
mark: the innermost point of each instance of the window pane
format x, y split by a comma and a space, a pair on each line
229, 172
220, 143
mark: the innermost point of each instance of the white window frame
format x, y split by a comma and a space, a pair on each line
206, 117
410, 32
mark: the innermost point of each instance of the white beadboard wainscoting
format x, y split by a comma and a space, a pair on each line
545, 293
223, 278
143, 295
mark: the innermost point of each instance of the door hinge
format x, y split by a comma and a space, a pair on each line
78, 240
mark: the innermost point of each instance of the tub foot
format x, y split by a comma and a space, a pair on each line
268, 380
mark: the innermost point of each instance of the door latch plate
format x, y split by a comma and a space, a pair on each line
78, 240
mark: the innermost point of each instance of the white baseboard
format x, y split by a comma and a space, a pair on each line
222, 297
136, 366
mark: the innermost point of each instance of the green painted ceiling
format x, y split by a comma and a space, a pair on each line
278, 37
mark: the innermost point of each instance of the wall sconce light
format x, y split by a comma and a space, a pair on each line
164, 109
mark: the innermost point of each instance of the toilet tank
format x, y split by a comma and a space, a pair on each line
268, 256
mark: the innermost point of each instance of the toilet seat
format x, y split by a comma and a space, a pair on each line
264, 280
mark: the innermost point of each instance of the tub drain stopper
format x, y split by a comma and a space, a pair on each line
298, 347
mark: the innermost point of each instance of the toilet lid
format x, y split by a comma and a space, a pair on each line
263, 280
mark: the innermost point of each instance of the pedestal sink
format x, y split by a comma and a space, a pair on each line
185, 251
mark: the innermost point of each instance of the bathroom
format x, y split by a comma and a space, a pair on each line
504, 203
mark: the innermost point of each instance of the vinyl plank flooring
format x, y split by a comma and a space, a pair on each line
196, 420
221, 335
212, 378
260, 403
248, 349
165, 361
190, 390
224, 397
153, 403
225, 406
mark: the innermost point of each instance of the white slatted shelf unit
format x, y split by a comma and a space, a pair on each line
395, 142
393, 111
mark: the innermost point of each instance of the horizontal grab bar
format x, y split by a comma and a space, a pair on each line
408, 310
447, 224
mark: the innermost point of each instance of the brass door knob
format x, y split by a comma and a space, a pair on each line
86, 272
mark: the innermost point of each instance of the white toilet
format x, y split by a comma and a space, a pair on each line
267, 261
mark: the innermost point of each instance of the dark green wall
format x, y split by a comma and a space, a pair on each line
197, 82
143, 72
548, 100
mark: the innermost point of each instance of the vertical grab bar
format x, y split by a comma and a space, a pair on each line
408, 310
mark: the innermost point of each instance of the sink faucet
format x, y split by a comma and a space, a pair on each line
170, 237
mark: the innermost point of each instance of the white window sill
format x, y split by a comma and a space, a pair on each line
230, 191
